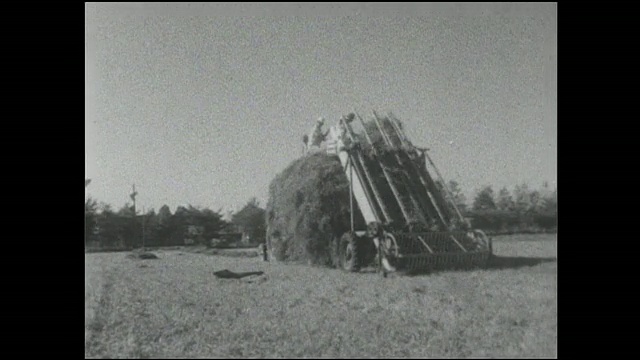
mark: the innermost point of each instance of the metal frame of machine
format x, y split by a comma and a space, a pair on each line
412, 222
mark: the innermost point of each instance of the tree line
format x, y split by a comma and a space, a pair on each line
128, 228
521, 210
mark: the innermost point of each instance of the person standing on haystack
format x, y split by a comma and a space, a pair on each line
316, 137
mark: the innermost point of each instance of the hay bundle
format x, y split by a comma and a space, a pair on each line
308, 207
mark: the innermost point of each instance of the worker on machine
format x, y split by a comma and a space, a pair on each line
377, 232
349, 118
342, 128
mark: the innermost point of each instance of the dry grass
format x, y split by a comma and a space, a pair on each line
176, 307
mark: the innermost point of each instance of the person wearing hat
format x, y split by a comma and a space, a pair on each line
349, 118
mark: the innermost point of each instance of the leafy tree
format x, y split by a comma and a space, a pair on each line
505, 201
164, 215
194, 224
551, 202
90, 217
547, 214
109, 224
522, 198
178, 226
104, 207
212, 223
458, 196
164, 226
251, 220
484, 199
537, 202
151, 228
90, 206
127, 210
130, 230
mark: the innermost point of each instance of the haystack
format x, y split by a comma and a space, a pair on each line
308, 207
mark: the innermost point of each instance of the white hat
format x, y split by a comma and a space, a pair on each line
321, 120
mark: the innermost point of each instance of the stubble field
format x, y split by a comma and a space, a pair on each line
174, 306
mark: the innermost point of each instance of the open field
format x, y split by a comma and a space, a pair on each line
175, 307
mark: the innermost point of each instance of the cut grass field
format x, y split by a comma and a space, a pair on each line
174, 306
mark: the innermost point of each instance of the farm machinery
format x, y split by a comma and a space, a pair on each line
413, 223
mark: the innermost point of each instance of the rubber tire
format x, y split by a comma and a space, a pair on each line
350, 253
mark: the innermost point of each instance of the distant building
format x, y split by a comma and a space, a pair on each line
226, 239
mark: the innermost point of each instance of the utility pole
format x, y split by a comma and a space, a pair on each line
143, 216
86, 183
133, 195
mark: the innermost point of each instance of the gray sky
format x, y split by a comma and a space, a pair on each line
204, 104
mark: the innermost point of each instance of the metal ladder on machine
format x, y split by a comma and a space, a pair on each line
366, 197
422, 198
402, 138
417, 196
398, 182
402, 194
366, 192
402, 142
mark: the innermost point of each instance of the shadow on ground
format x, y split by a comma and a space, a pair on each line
495, 263
514, 262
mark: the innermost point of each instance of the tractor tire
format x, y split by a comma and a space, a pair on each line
351, 253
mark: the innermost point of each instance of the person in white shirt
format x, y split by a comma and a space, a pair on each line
316, 136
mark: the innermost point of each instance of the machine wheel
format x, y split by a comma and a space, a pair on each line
351, 253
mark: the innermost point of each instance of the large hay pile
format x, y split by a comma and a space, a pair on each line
308, 206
